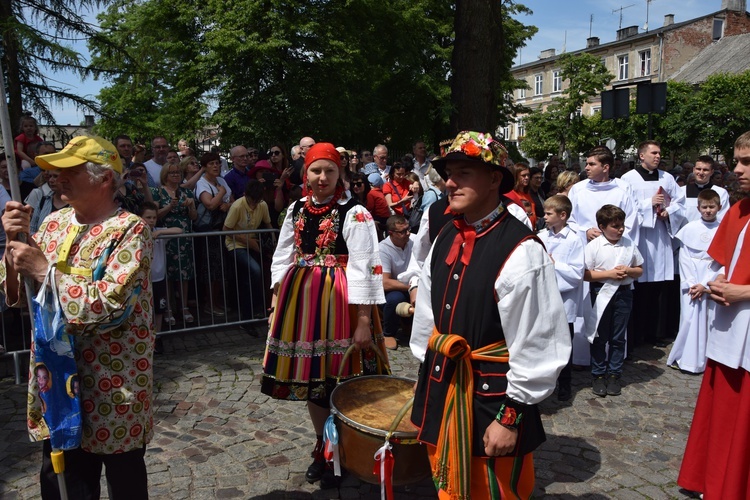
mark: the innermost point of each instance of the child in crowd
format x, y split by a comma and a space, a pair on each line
612, 263
29, 134
565, 248
696, 270
159, 267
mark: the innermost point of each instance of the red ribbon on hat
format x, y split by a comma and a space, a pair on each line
466, 237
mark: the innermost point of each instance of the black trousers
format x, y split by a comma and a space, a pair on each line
651, 308
126, 475
567, 372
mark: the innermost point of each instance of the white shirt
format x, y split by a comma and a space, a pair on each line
601, 255
203, 186
159, 262
363, 285
566, 249
422, 244
588, 196
394, 259
691, 204
533, 319
154, 170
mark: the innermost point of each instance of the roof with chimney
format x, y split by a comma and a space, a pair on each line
624, 35
726, 55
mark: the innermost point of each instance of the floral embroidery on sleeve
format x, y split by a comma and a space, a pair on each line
376, 269
361, 217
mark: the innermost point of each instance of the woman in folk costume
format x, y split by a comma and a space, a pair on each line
327, 280
717, 455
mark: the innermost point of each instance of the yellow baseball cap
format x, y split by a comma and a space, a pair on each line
80, 150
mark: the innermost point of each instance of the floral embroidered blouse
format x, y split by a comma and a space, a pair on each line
347, 229
111, 320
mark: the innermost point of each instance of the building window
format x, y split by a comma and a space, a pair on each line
622, 64
506, 133
645, 57
538, 81
556, 81
718, 28
522, 93
520, 128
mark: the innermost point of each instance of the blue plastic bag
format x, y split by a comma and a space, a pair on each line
55, 368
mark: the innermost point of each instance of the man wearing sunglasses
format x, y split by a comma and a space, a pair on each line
395, 252
380, 156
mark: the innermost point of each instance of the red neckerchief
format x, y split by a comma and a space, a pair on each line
466, 237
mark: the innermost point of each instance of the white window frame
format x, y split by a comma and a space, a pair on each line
520, 128
507, 131
522, 93
623, 66
644, 60
557, 81
538, 84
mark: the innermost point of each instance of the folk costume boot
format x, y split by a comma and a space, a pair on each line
315, 471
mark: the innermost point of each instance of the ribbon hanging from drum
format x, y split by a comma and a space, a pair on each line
331, 439
384, 463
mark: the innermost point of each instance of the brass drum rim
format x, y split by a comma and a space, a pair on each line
406, 437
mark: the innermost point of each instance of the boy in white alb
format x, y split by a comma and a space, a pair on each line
565, 248
696, 270
612, 263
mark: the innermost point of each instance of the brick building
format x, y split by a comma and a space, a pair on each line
655, 55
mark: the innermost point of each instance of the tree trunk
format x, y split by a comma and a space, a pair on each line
10, 65
476, 65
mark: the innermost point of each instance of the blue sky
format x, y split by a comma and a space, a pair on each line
561, 23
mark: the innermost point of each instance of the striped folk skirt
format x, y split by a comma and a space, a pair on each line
311, 330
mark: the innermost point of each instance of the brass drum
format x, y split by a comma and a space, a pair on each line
364, 410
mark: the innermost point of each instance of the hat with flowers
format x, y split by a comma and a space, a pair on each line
476, 147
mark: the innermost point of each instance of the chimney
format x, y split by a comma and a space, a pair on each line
734, 5
668, 20
624, 33
592, 42
88, 120
545, 54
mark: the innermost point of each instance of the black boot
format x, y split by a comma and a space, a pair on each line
315, 471
329, 479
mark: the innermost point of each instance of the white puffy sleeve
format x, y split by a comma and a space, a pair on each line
534, 323
364, 273
283, 256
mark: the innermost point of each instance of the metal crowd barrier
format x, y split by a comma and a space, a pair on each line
243, 300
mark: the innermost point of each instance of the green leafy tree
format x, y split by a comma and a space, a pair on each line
561, 125
157, 84
355, 73
721, 105
36, 43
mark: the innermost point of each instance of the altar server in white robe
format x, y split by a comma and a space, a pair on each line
661, 205
703, 170
697, 268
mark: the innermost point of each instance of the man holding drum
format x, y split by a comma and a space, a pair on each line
493, 336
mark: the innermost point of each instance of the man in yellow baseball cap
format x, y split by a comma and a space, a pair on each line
101, 257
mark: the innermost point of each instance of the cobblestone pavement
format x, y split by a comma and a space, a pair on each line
217, 436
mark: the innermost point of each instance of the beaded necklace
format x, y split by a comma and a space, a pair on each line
310, 206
